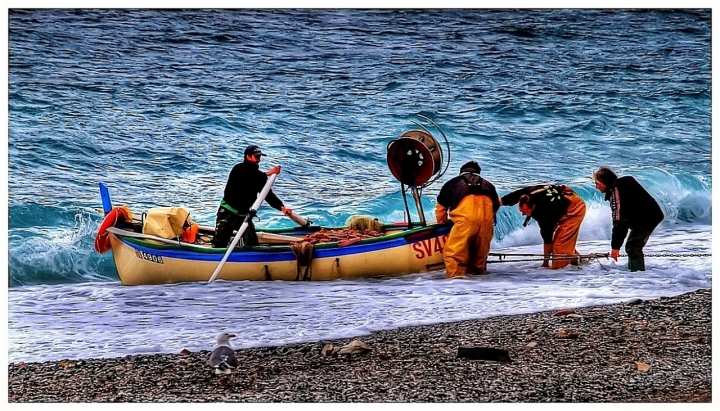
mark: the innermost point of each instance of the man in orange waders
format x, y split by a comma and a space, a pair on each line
559, 212
472, 203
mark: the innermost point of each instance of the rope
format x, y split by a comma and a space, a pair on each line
675, 255
588, 257
556, 256
303, 250
583, 257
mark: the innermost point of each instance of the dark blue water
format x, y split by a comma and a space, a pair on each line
159, 105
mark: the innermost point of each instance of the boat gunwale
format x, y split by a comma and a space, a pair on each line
171, 245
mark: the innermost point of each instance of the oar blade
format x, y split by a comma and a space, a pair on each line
105, 196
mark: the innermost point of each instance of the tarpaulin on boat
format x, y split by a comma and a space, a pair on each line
166, 222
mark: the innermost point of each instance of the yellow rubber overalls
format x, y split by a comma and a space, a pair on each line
468, 244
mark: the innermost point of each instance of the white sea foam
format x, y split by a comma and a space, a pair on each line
109, 320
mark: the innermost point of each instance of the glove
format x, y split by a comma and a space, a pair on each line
274, 170
615, 254
441, 215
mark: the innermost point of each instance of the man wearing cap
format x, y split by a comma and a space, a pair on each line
558, 212
243, 185
633, 209
471, 203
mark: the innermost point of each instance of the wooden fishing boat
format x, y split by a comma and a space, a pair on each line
283, 254
301, 253
141, 259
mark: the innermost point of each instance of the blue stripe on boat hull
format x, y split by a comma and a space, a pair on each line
274, 255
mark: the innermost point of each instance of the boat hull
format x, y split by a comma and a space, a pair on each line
411, 251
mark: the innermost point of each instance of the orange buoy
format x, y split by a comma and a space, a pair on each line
102, 240
189, 233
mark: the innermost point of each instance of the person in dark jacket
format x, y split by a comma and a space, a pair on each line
633, 209
243, 185
471, 203
559, 213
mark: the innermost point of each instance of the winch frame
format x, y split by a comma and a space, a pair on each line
409, 159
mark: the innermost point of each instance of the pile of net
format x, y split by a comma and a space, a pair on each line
342, 236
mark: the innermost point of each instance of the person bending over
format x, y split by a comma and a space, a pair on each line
558, 212
471, 203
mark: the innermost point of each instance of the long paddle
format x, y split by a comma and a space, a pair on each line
301, 221
243, 227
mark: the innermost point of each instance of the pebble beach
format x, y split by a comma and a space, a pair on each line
639, 351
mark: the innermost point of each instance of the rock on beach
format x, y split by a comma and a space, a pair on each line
649, 351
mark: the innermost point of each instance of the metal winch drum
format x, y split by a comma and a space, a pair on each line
414, 157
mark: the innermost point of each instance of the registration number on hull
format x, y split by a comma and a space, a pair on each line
426, 248
149, 257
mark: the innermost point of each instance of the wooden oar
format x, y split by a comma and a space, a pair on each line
243, 227
272, 238
302, 222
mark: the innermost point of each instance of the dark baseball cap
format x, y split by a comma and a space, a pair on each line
253, 149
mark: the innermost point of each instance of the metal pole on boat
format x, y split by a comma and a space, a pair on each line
243, 227
418, 204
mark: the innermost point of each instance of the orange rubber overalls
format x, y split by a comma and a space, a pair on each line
468, 244
568, 227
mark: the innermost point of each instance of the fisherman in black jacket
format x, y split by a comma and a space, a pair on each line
633, 209
559, 213
243, 185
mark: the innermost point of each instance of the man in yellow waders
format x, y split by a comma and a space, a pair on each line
559, 212
472, 203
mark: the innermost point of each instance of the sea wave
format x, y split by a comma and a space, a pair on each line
53, 244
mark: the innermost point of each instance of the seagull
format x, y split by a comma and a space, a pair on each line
223, 357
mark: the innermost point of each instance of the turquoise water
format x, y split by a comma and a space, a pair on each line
159, 105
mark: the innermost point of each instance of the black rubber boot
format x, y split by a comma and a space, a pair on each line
636, 263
